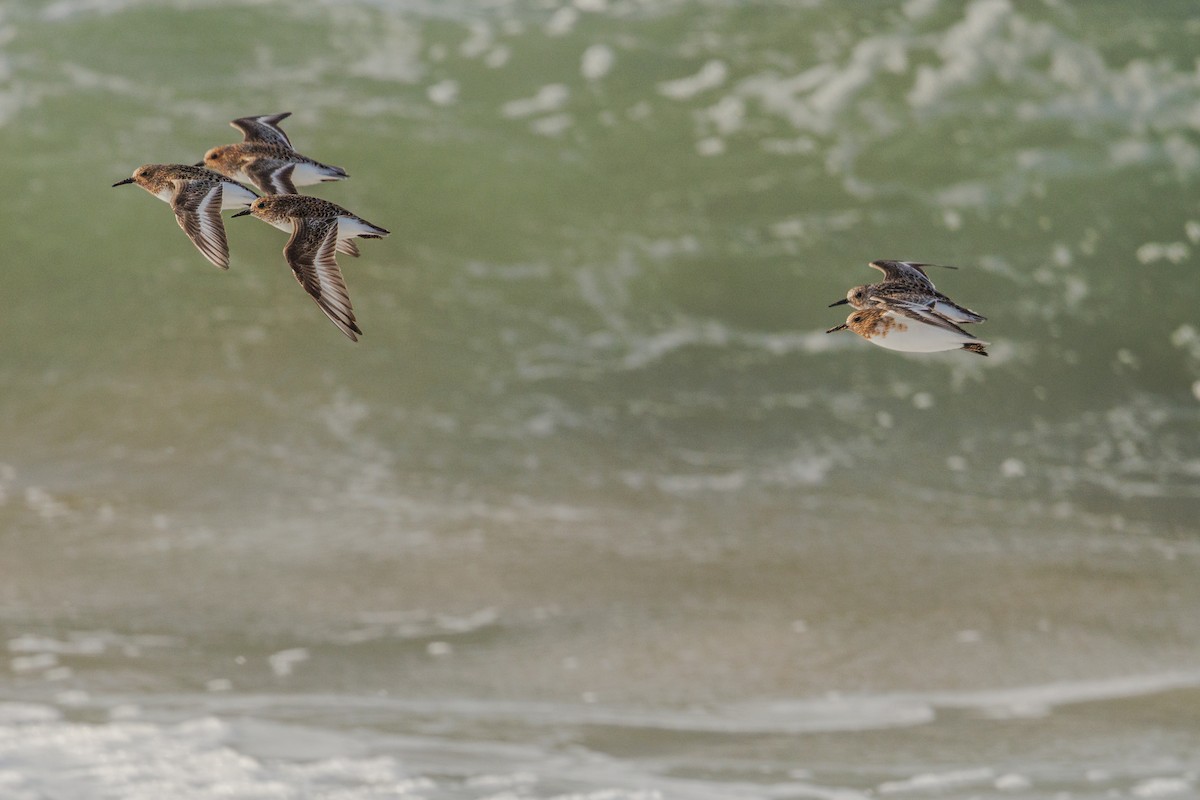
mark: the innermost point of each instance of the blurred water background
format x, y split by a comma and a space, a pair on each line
595, 509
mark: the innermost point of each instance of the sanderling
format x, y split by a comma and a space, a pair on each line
198, 196
905, 285
908, 331
266, 158
320, 229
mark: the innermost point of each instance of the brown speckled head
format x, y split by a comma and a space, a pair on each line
159, 178
870, 322
280, 207
859, 296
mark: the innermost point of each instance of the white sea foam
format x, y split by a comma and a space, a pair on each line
194, 759
980, 45
561, 21
45, 505
552, 124
497, 57
1040, 700
480, 39
90, 80
284, 662
839, 712
67, 9
43, 757
33, 663
915, 9
1012, 782
711, 75
597, 61
1162, 787
136, 757
803, 470
443, 93
1174, 252
728, 115
938, 781
551, 97
26, 713
418, 624
89, 643
1051, 72
385, 45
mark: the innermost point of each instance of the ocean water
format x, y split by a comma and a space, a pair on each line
595, 509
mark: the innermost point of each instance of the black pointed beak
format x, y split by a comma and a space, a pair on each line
841, 302
122, 183
242, 213
836, 328
198, 164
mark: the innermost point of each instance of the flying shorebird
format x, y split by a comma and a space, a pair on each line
906, 286
320, 229
266, 158
909, 331
197, 196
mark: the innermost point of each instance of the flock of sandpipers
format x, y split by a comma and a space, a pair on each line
902, 312
905, 312
319, 229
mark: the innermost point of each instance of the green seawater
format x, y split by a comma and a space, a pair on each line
595, 508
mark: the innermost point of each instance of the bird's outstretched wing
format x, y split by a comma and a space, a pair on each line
936, 303
197, 206
311, 255
908, 273
930, 318
272, 176
264, 128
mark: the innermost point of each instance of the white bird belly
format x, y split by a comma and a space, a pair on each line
304, 173
349, 227
909, 336
234, 196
